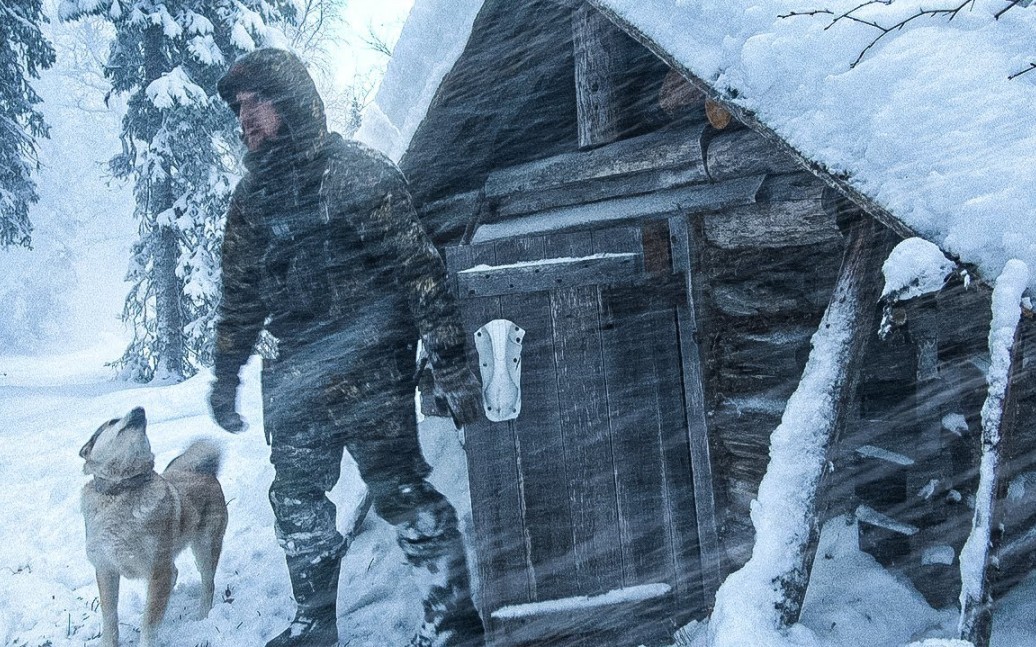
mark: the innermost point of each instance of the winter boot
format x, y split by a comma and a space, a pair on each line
450, 618
315, 587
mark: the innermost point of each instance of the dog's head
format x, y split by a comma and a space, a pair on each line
119, 449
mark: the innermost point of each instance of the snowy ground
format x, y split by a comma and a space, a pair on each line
50, 405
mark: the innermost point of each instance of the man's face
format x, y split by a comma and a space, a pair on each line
259, 120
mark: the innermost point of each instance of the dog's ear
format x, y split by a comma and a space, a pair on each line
88, 447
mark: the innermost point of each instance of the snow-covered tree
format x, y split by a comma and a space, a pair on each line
23, 53
179, 148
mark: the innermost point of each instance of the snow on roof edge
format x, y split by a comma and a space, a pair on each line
432, 40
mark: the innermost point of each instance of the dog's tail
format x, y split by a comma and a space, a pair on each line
202, 457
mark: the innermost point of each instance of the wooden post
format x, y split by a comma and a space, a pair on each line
597, 63
772, 585
855, 298
694, 401
976, 597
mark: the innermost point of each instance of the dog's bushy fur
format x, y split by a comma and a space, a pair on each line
138, 521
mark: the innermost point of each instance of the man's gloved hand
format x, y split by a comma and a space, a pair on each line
462, 393
222, 403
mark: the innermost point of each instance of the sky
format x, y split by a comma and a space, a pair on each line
386, 17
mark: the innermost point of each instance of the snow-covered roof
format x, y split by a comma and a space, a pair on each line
927, 127
432, 40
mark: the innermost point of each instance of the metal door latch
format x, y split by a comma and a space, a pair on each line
499, 346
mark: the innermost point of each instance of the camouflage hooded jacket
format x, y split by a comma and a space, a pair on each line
322, 244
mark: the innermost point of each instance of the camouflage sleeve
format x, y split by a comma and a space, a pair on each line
240, 314
393, 233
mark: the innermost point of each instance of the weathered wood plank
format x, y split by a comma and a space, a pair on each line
777, 352
744, 425
738, 153
617, 240
666, 149
747, 282
550, 273
497, 502
800, 185
588, 623
694, 403
774, 293
679, 500
685, 200
541, 454
584, 424
595, 190
772, 224
629, 320
598, 63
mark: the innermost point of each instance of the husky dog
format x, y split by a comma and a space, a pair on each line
138, 521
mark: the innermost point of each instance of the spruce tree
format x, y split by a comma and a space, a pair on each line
23, 53
180, 149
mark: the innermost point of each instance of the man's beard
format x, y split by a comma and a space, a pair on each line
260, 141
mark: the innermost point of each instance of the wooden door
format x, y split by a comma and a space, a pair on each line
589, 490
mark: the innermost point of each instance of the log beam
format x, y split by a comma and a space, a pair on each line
787, 519
665, 149
598, 62
976, 597
694, 199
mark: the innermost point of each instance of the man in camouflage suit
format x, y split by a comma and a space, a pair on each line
323, 246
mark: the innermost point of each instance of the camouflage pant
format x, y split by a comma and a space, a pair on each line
379, 429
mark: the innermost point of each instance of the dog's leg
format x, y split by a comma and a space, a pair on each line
159, 586
108, 590
206, 555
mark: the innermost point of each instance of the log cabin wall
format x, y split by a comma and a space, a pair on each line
906, 467
765, 257
498, 159
909, 465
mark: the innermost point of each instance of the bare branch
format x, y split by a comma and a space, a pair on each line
859, 7
1011, 4
1032, 66
376, 42
852, 16
815, 12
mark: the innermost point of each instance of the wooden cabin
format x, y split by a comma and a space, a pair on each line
664, 262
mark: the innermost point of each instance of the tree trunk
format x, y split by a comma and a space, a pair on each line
165, 247
168, 292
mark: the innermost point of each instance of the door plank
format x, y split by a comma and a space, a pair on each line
496, 502
541, 456
584, 425
694, 409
